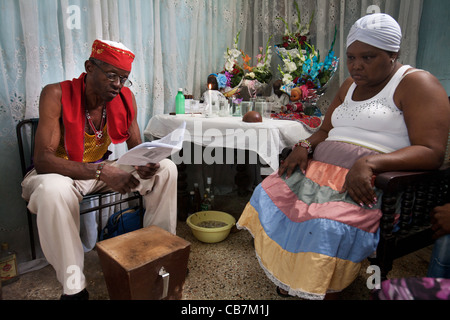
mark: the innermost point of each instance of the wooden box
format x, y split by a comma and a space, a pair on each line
146, 264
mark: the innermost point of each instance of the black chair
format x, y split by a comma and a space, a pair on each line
26, 130
406, 203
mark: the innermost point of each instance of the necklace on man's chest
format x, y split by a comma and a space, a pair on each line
98, 133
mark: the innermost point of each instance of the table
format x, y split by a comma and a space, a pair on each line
267, 139
243, 142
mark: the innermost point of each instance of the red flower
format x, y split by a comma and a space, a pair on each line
310, 84
285, 45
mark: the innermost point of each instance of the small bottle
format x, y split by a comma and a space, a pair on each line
197, 197
206, 203
8, 265
212, 202
209, 185
179, 102
191, 207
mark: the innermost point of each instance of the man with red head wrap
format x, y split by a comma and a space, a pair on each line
78, 120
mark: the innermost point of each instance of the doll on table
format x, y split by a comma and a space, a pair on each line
298, 111
215, 83
279, 99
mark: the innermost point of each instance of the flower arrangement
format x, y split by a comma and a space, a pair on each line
233, 71
297, 39
261, 71
301, 65
304, 69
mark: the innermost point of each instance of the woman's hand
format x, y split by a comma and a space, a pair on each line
359, 183
298, 157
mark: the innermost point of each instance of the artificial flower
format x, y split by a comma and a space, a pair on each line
221, 80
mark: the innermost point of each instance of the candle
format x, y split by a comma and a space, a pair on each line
210, 100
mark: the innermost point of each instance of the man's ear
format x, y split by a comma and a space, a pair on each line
88, 66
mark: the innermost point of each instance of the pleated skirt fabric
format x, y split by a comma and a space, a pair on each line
310, 238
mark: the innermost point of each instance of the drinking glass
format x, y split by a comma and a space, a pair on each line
194, 106
235, 108
246, 106
223, 109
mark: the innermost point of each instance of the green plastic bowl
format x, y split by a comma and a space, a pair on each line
211, 234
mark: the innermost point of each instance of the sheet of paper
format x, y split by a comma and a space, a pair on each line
155, 151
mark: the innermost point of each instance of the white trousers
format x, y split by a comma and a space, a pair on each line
55, 199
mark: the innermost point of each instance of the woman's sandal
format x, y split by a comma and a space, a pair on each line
282, 293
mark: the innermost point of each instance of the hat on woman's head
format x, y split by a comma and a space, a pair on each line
379, 30
113, 53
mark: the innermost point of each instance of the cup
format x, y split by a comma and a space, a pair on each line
259, 107
223, 109
187, 105
264, 108
194, 106
246, 106
235, 108
215, 108
267, 110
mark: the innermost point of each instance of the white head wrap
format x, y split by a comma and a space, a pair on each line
379, 30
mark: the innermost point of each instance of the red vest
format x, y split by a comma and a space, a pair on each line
119, 115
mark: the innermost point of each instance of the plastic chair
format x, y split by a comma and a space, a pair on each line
26, 130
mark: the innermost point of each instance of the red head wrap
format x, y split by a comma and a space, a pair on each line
113, 53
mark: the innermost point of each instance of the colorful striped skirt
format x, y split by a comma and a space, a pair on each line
309, 237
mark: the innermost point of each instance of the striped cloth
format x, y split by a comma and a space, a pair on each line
309, 237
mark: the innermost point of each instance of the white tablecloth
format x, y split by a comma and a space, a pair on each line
267, 138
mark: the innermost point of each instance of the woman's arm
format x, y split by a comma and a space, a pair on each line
299, 156
426, 110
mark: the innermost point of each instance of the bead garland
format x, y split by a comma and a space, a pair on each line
305, 144
98, 172
98, 133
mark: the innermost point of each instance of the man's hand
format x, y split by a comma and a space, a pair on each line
440, 220
147, 171
118, 180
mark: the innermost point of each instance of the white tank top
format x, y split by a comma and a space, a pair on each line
375, 123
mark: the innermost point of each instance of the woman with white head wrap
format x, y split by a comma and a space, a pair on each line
317, 218
378, 30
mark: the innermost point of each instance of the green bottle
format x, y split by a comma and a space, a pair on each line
179, 102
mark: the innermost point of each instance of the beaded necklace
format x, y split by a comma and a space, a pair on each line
98, 133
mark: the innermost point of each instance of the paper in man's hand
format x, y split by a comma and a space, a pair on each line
155, 151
